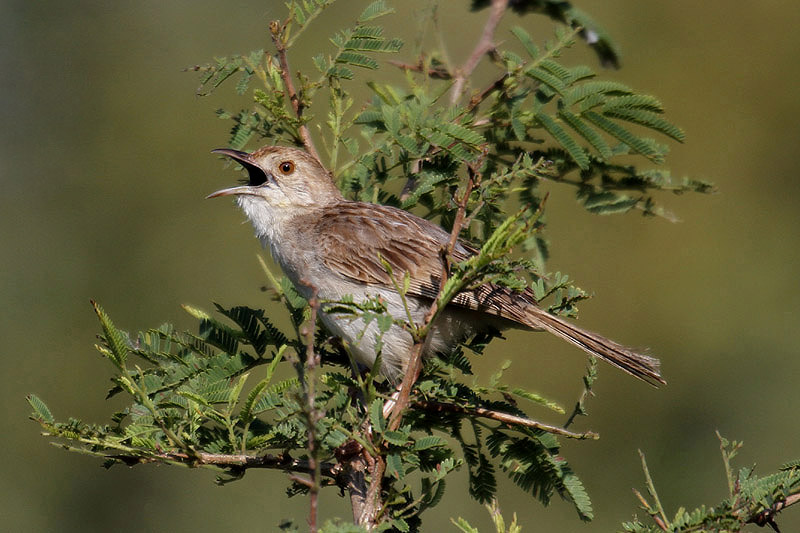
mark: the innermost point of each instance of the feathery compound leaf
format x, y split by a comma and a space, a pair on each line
357, 60
463, 134
646, 118
791, 465
573, 487
557, 70
615, 130
537, 399
605, 202
595, 138
603, 88
563, 138
246, 413
430, 441
249, 320
548, 79
302, 14
367, 32
525, 38
118, 345
373, 45
41, 413
642, 101
426, 184
394, 465
374, 10
339, 71
376, 415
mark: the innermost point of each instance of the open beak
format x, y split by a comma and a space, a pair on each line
244, 159
231, 191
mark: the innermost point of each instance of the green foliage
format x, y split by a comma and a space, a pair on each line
243, 393
497, 519
751, 499
219, 399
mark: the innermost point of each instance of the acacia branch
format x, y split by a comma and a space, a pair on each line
312, 413
438, 72
767, 516
414, 365
485, 44
239, 461
506, 418
276, 30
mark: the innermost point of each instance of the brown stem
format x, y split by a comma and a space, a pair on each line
377, 467
767, 516
481, 96
363, 510
440, 73
506, 418
312, 413
415, 362
485, 44
364, 475
276, 30
240, 461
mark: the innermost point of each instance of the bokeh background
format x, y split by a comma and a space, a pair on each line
104, 164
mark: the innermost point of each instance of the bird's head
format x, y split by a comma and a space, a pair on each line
280, 178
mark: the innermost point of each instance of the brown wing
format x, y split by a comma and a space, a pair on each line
409, 244
355, 235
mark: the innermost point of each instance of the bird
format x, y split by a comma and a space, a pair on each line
334, 248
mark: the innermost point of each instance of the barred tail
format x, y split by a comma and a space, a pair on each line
641, 366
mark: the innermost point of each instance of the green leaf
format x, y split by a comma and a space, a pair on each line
373, 45
615, 130
563, 138
557, 70
40, 411
394, 466
648, 119
537, 399
463, 134
585, 131
396, 438
376, 415
641, 101
574, 488
374, 10
548, 79
431, 441
118, 344
464, 526
357, 60
602, 88
367, 32
526, 41
606, 202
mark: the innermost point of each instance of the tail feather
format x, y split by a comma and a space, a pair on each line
638, 365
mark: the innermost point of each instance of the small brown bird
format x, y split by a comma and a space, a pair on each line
335, 245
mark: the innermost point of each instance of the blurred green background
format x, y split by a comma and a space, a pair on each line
104, 162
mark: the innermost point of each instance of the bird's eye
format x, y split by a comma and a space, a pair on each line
287, 167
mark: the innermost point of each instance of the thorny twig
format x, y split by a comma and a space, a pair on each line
414, 365
233, 461
485, 44
276, 30
767, 516
506, 418
312, 413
